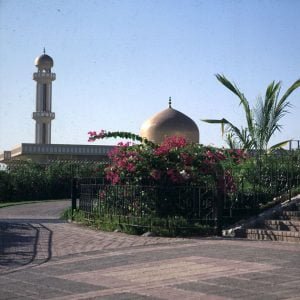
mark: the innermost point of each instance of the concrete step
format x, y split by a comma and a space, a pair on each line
289, 225
273, 235
291, 215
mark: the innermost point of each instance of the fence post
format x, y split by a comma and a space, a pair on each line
220, 206
74, 194
220, 203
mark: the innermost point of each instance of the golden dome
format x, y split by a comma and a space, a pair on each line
44, 61
169, 122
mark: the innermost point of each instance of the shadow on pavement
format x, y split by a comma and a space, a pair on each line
23, 242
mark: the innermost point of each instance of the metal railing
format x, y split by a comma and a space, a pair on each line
294, 144
259, 182
193, 204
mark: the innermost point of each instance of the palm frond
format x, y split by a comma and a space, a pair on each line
218, 121
262, 121
233, 142
279, 145
233, 88
280, 109
289, 91
263, 115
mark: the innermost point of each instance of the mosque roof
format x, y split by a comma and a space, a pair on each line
169, 122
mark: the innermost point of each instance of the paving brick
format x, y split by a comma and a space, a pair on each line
267, 277
7, 295
199, 286
288, 293
125, 296
248, 285
45, 259
69, 286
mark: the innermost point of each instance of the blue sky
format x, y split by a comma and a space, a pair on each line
117, 62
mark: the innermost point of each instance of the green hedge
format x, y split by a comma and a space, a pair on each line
33, 181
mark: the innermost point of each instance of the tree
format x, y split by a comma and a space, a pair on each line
262, 120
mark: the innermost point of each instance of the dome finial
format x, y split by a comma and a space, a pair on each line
170, 102
44, 50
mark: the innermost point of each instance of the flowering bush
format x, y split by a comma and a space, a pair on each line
172, 163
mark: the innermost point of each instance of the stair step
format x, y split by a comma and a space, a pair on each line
290, 225
273, 235
291, 215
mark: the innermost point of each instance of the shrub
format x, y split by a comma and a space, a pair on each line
175, 179
33, 181
174, 162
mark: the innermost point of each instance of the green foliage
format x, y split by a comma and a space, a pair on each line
168, 209
33, 181
67, 214
174, 179
261, 179
174, 162
262, 120
6, 186
176, 226
93, 135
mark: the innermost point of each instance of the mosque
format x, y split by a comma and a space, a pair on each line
169, 122
165, 123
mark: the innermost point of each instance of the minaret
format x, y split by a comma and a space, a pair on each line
43, 115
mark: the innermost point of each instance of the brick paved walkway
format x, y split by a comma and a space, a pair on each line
44, 258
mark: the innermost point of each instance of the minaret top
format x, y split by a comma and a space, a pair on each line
44, 61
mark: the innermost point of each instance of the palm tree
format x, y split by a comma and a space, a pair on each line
262, 120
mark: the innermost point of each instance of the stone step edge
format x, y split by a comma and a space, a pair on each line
284, 222
291, 212
274, 232
290, 218
273, 238
238, 229
281, 227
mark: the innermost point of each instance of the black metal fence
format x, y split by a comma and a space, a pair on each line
261, 181
258, 182
185, 207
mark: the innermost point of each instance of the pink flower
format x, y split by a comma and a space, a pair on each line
174, 175
169, 143
220, 155
130, 167
101, 133
93, 135
114, 178
121, 144
187, 158
102, 195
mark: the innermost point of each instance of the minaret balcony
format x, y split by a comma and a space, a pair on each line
44, 116
44, 76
